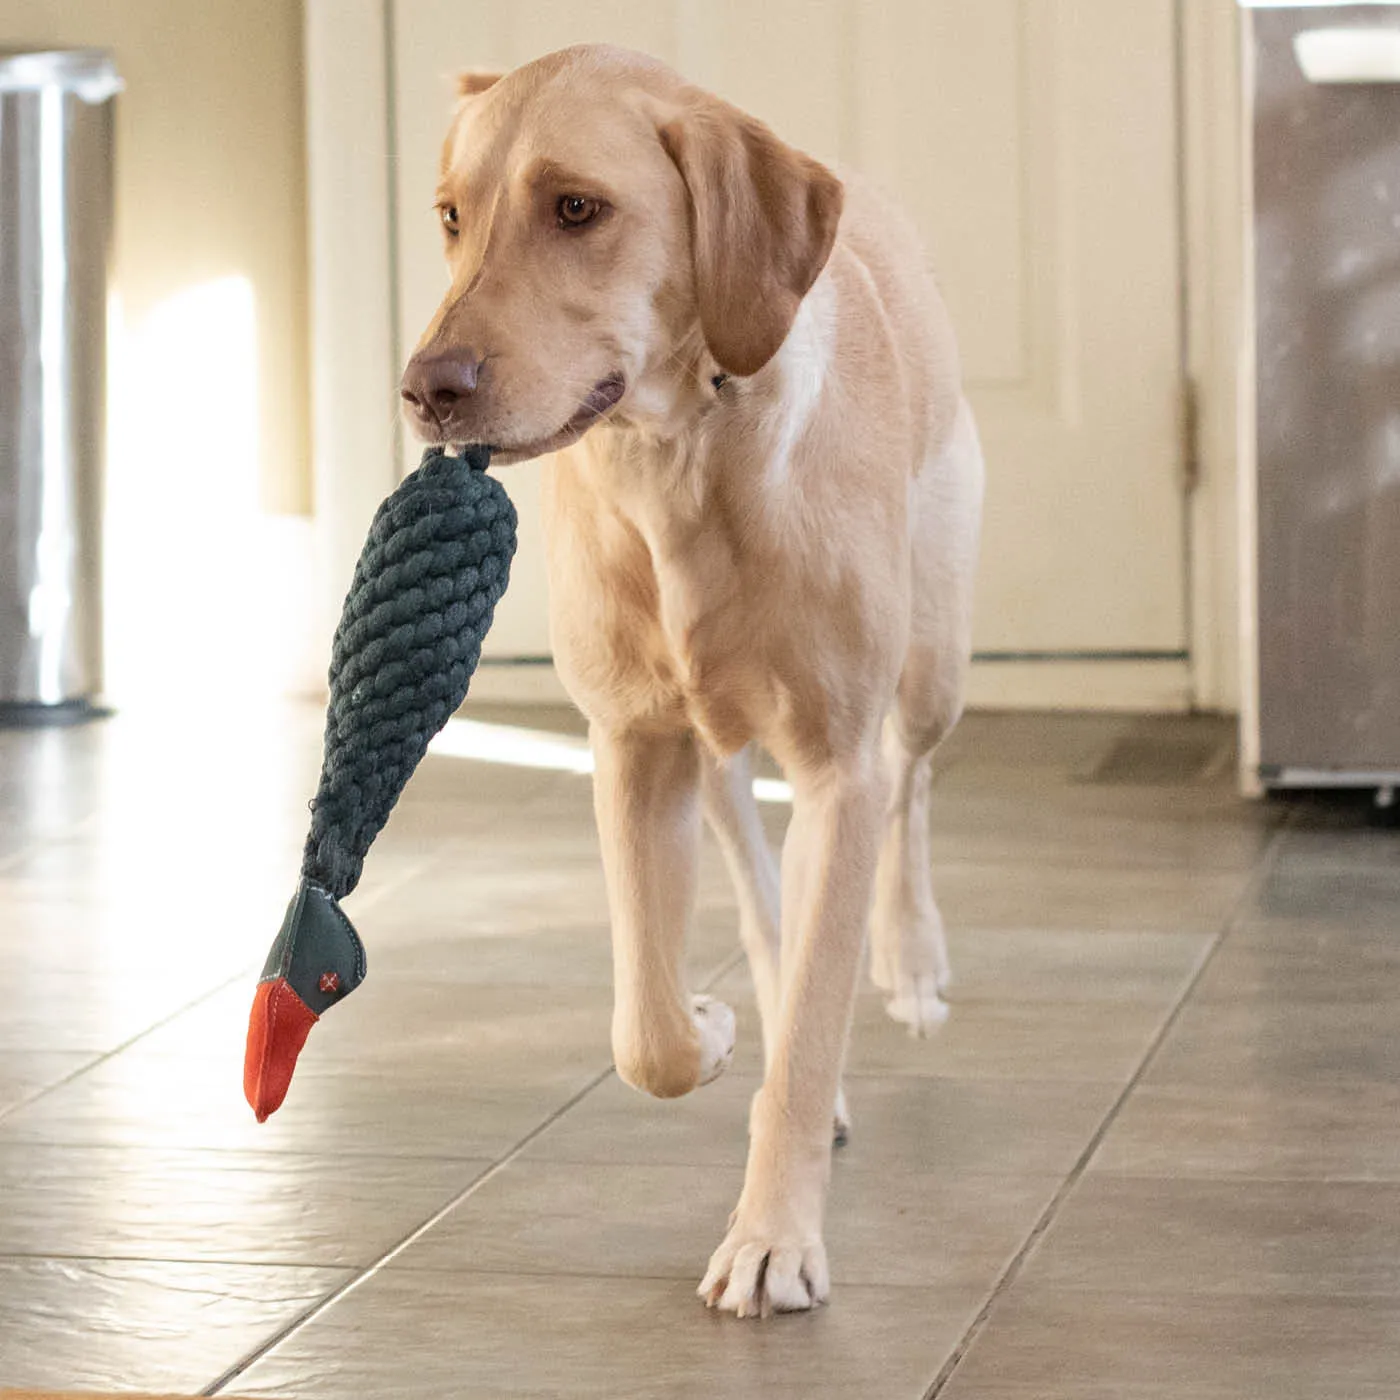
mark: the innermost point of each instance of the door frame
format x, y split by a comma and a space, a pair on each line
1212, 145
350, 103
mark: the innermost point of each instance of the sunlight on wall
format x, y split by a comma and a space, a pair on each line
197, 579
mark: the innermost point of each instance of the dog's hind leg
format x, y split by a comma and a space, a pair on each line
908, 954
733, 816
727, 785
646, 793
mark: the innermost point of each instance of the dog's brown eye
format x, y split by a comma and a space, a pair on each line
449, 218
575, 210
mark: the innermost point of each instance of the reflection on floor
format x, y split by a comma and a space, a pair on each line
1155, 1150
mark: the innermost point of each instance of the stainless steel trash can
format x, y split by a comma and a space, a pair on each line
56, 114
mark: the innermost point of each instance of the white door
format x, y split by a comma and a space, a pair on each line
1035, 141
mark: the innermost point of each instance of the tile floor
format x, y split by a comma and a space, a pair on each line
1155, 1152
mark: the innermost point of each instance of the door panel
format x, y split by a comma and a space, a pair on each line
1035, 143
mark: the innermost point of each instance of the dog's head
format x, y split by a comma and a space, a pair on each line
606, 226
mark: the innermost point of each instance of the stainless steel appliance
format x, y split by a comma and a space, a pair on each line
1323, 117
55, 229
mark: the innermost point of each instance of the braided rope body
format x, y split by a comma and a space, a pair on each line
434, 566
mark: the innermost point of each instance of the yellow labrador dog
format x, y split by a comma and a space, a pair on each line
764, 530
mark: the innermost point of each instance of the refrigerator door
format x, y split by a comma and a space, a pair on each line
1326, 231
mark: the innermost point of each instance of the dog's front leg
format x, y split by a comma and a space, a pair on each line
773, 1258
646, 795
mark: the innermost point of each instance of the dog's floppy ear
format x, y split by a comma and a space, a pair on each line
472, 83
763, 221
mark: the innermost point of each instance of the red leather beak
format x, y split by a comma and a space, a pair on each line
278, 1026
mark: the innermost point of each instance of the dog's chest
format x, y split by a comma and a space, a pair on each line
711, 631
686, 636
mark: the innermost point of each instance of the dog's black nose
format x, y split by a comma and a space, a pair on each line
433, 385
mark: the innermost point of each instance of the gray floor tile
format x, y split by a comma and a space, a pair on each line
632, 1221
1047, 1344
506, 884
166, 1101
1340, 839
474, 786
903, 1123
109, 865
564, 955
479, 1034
216, 1207
1284, 1046
77, 1013
1052, 745
484, 1032
1349, 1131
496, 897
138, 937
1030, 964
1089, 828
1330, 892
1066, 896
1244, 1236
107, 1325
24, 1073
1012, 1040
1234, 1235
550, 718
1304, 962
494, 1335
982, 1039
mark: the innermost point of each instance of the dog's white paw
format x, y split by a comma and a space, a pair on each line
915, 1002
714, 1024
908, 955
756, 1273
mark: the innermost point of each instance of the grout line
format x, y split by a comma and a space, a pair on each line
417, 1233
33, 847
247, 972
474, 1271
392, 1253
105, 1055
1012, 1272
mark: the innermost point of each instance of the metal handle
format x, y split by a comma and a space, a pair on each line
1349, 55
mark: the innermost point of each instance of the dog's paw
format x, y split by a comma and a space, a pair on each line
756, 1273
909, 963
914, 1002
714, 1024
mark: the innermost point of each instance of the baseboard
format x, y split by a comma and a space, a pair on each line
528, 683
1143, 686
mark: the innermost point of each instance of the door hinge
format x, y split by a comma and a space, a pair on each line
1190, 436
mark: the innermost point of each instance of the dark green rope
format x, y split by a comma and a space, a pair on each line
434, 566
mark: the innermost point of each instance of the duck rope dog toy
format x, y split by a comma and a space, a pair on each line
433, 568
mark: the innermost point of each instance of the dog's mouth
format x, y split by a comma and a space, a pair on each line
599, 401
